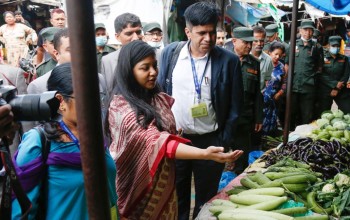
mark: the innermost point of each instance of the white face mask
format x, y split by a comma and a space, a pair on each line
155, 44
101, 41
303, 39
334, 50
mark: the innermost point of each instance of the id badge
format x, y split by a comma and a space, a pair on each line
199, 110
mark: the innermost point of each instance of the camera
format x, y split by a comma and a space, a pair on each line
31, 107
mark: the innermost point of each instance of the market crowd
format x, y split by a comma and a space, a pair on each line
170, 112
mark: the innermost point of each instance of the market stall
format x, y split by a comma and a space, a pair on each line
308, 178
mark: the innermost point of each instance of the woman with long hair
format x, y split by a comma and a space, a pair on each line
16, 37
61, 175
144, 141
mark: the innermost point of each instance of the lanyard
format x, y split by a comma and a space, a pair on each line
195, 76
69, 132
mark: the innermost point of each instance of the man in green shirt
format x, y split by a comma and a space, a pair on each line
251, 117
332, 81
308, 64
102, 48
49, 64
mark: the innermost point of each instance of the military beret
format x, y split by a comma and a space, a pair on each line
334, 40
307, 24
49, 33
99, 25
243, 33
271, 29
151, 26
316, 33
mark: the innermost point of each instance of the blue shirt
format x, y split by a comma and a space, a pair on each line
66, 193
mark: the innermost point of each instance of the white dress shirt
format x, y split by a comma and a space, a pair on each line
186, 97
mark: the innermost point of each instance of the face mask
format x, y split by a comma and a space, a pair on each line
101, 41
334, 50
155, 44
314, 40
303, 39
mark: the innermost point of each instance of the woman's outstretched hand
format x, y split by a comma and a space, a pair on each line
217, 154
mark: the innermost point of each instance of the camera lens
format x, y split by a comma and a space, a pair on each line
35, 107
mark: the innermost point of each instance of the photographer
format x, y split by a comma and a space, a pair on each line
58, 180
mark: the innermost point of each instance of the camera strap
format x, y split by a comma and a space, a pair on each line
11, 181
8, 80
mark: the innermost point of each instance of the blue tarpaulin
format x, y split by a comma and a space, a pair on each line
336, 7
248, 15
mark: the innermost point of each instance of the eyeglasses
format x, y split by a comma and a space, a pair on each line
157, 34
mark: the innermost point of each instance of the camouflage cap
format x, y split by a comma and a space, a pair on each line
333, 40
271, 29
151, 26
243, 33
99, 25
49, 33
307, 24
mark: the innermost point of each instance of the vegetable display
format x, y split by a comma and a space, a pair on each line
333, 125
287, 190
326, 157
334, 195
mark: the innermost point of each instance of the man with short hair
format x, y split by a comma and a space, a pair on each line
220, 37
102, 48
206, 82
62, 54
49, 64
58, 19
266, 66
252, 114
20, 19
127, 28
308, 65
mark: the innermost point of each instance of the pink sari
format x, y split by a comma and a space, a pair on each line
145, 168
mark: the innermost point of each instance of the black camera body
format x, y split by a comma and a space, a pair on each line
31, 107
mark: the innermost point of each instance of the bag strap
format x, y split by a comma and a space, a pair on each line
11, 181
45, 150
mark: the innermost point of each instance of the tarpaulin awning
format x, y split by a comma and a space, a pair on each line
248, 15
56, 3
336, 7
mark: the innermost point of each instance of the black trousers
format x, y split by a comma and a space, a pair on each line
206, 173
325, 102
302, 109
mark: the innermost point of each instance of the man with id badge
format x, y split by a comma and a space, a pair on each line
206, 82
